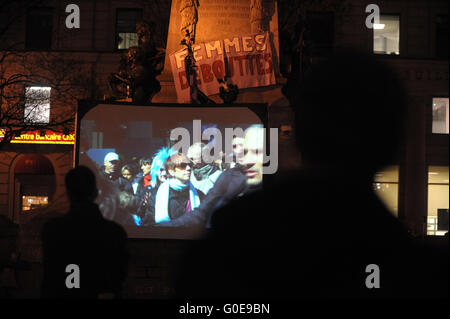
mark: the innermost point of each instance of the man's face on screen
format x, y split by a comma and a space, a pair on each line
254, 155
111, 166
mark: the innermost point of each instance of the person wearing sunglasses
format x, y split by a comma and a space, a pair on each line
244, 178
176, 196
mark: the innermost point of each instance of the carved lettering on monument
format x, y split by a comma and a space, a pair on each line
225, 13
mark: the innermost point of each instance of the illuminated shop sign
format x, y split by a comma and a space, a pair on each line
37, 137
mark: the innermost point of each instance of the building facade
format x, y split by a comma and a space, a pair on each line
412, 36
38, 30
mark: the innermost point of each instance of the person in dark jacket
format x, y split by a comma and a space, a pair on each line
323, 232
128, 172
176, 196
110, 171
232, 184
158, 176
144, 178
83, 240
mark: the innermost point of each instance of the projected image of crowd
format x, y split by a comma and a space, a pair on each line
174, 189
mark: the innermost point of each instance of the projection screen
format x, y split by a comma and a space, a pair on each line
157, 165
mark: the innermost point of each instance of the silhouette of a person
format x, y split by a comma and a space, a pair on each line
83, 237
317, 233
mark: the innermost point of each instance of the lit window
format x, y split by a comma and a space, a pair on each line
33, 202
438, 192
126, 36
385, 185
37, 104
127, 40
386, 35
440, 116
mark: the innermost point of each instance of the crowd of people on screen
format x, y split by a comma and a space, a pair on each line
176, 189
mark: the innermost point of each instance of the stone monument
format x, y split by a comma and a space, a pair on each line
138, 69
210, 20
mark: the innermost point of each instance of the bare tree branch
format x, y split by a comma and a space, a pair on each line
24, 109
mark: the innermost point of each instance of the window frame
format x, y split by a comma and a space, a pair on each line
400, 46
25, 105
431, 116
375, 180
116, 31
428, 192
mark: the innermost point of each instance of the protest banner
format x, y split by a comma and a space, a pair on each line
246, 60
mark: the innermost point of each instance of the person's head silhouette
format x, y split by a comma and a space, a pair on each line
350, 114
81, 185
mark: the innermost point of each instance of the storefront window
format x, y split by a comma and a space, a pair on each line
438, 192
385, 186
440, 116
386, 35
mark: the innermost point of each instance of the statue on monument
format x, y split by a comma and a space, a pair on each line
189, 17
138, 69
228, 92
196, 95
260, 15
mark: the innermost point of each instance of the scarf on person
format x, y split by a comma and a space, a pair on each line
162, 198
204, 172
147, 180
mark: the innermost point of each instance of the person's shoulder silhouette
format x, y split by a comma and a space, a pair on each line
83, 237
322, 232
